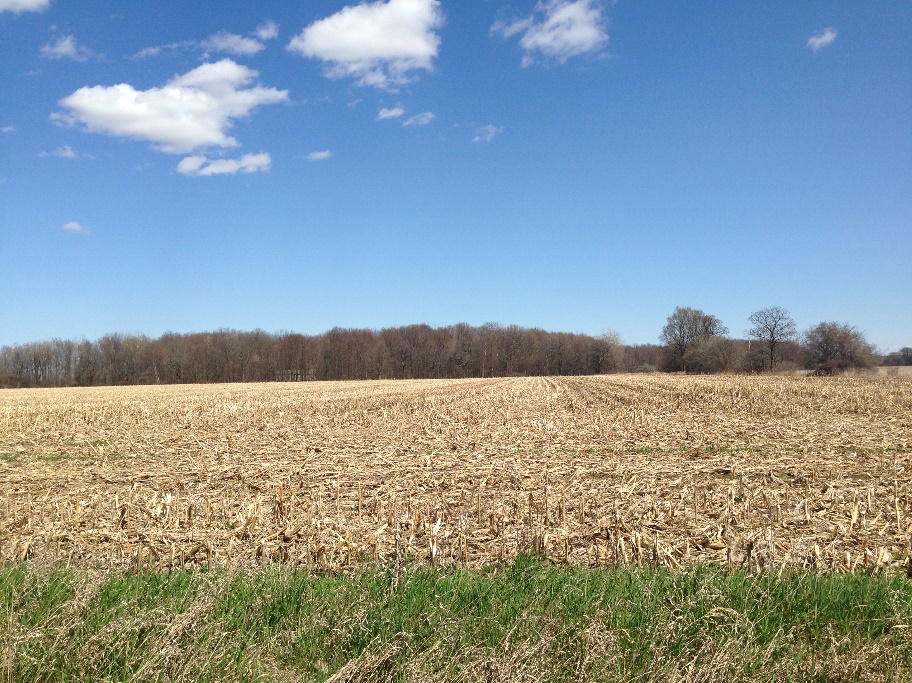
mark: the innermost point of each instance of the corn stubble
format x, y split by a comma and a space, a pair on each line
755, 472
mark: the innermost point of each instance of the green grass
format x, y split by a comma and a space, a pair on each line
526, 621
25, 458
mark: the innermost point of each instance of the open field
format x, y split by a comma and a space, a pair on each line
668, 470
895, 370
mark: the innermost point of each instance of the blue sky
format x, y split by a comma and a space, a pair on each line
572, 165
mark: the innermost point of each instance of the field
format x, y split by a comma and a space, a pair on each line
752, 472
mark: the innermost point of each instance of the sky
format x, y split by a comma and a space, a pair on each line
573, 165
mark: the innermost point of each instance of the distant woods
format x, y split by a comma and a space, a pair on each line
412, 352
693, 341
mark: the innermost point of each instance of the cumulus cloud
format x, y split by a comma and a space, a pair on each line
422, 119
189, 112
377, 43
822, 39
231, 43
559, 30
73, 226
392, 113
66, 47
319, 156
268, 30
24, 5
203, 166
487, 133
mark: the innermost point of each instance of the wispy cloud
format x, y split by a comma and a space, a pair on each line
392, 113
232, 44
487, 133
268, 30
422, 119
559, 30
66, 47
378, 43
320, 156
24, 5
65, 152
189, 112
7, 129
156, 50
202, 166
222, 42
822, 39
73, 226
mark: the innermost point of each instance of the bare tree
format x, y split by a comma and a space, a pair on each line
773, 327
832, 348
686, 330
236, 356
644, 357
901, 357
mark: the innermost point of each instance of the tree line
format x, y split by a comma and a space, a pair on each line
691, 341
698, 342
411, 352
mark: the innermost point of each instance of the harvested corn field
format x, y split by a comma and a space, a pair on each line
670, 470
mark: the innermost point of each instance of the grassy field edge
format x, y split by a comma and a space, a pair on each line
529, 620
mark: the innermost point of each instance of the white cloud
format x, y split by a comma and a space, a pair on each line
378, 43
170, 47
422, 119
73, 226
154, 51
65, 152
487, 133
393, 113
223, 41
7, 129
231, 43
24, 5
268, 30
190, 111
559, 29
202, 166
822, 39
66, 47
319, 156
